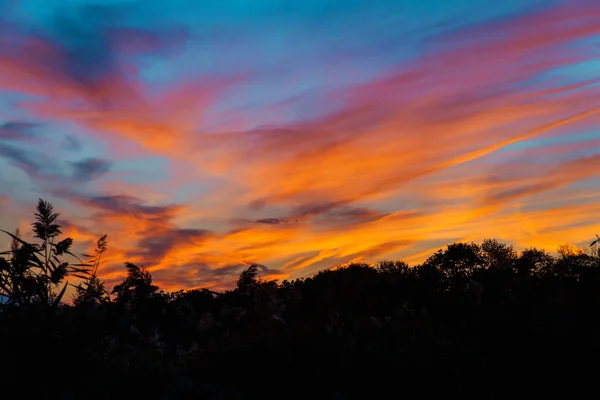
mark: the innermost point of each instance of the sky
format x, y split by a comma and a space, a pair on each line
203, 136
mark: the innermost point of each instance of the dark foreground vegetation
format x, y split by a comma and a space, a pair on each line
476, 321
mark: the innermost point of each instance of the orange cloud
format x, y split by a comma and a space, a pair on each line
427, 151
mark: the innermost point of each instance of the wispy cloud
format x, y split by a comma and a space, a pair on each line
17, 131
377, 132
90, 168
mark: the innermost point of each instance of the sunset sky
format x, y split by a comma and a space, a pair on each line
203, 136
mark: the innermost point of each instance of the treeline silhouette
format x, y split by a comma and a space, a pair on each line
476, 321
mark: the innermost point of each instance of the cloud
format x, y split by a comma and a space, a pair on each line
24, 160
154, 246
71, 143
18, 131
200, 275
468, 136
124, 205
145, 234
313, 209
84, 47
563, 175
46, 169
91, 168
84, 65
270, 221
386, 138
355, 214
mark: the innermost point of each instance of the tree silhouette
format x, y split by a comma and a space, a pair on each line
567, 250
458, 260
248, 279
394, 268
498, 255
534, 261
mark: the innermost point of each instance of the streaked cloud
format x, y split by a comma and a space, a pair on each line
208, 137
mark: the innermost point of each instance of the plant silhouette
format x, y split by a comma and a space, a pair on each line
91, 290
33, 271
